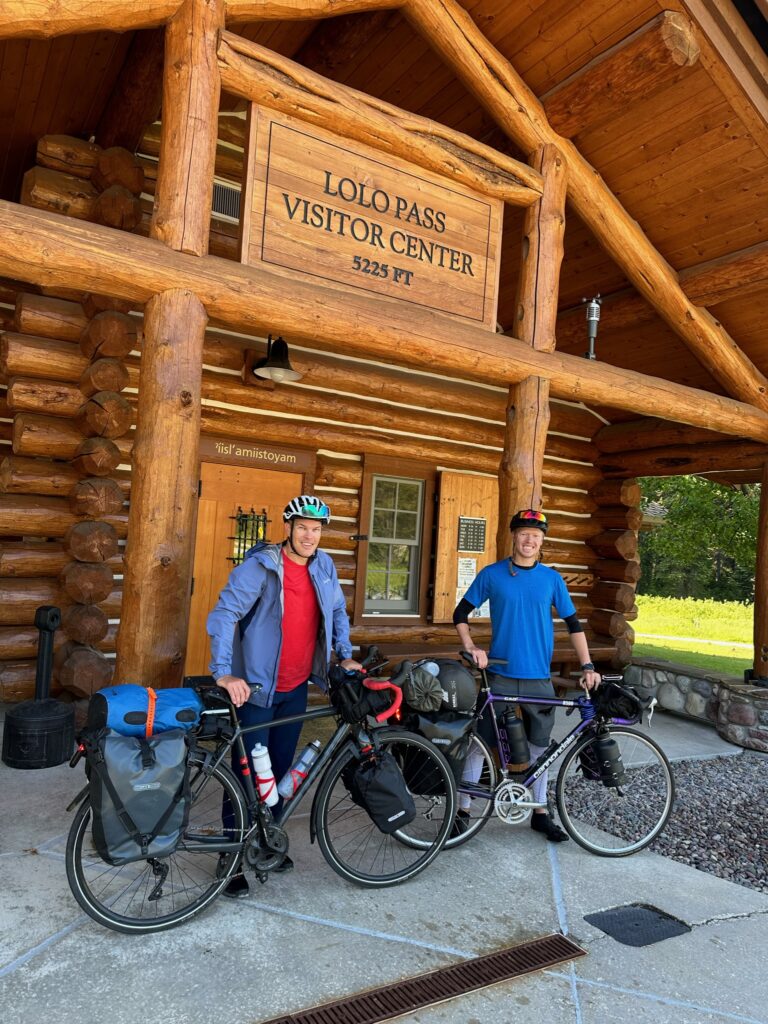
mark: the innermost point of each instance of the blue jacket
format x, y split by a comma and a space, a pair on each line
246, 626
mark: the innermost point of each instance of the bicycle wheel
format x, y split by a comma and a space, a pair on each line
475, 793
614, 822
136, 898
351, 843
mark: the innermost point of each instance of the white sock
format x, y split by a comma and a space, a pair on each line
539, 788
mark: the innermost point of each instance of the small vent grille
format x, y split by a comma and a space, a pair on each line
445, 983
226, 201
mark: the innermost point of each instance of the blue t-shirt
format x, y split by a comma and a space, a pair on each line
521, 615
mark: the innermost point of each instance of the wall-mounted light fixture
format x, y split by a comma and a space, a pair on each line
593, 318
276, 366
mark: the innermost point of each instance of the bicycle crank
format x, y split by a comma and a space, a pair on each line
513, 802
262, 857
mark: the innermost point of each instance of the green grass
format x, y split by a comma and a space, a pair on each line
696, 624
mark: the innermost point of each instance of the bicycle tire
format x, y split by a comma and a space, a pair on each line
480, 806
352, 844
117, 896
613, 822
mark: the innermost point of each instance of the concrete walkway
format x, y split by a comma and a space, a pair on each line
309, 937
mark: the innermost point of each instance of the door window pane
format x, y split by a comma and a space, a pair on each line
392, 575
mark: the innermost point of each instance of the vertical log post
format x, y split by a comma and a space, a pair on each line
191, 87
151, 644
760, 668
158, 564
522, 461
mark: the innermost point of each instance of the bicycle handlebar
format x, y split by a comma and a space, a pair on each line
386, 684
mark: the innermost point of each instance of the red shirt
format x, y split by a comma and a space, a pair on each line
301, 622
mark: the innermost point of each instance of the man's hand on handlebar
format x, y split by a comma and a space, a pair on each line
350, 665
239, 691
478, 655
589, 680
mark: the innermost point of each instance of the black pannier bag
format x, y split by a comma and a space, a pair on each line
139, 793
452, 735
376, 784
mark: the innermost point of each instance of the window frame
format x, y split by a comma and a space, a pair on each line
400, 469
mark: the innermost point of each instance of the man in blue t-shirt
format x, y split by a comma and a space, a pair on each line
521, 593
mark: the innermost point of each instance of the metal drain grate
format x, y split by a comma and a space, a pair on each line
637, 924
436, 986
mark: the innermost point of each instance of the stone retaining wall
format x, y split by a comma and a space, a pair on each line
737, 710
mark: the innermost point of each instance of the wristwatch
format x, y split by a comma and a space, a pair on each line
587, 667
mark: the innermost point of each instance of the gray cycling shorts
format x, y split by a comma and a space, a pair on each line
538, 720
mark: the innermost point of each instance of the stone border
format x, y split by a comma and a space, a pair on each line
736, 709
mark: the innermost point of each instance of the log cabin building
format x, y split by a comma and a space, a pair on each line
417, 196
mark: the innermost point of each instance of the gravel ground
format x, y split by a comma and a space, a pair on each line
720, 820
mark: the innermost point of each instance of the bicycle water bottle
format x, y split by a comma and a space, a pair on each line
265, 779
609, 761
519, 752
294, 777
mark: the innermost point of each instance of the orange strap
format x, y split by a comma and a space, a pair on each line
151, 703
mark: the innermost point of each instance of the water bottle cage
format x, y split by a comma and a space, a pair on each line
263, 787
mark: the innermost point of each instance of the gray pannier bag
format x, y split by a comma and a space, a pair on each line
139, 791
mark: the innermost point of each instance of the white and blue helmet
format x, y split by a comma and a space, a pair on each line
307, 506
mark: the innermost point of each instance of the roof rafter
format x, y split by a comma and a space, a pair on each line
497, 86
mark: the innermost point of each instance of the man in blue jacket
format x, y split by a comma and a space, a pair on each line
276, 623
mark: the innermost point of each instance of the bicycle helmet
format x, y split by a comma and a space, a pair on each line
307, 506
527, 518
458, 683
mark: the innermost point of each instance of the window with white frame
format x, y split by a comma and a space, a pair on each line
392, 574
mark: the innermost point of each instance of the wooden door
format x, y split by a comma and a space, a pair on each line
224, 490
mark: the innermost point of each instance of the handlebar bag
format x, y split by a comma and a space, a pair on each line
352, 699
614, 701
139, 791
377, 785
132, 710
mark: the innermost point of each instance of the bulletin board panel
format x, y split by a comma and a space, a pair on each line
468, 513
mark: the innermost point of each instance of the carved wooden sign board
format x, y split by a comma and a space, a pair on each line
348, 216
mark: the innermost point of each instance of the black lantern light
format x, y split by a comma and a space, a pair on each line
276, 366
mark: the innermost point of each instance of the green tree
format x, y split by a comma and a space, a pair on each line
705, 543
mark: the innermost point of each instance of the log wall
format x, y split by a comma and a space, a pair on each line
69, 374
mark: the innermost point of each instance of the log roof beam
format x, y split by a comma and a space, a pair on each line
258, 74
506, 97
44, 19
653, 56
55, 251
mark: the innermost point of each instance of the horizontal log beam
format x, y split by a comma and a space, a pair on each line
266, 78
646, 60
450, 30
47, 249
44, 19
675, 460
640, 435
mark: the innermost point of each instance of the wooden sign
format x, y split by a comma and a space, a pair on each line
250, 453
336, 211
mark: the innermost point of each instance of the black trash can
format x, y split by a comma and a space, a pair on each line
40, 733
